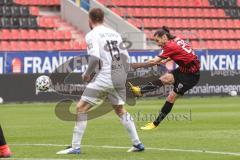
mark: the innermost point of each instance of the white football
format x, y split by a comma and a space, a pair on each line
1, 100
233, 93
43, 83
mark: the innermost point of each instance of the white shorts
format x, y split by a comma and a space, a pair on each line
98, 91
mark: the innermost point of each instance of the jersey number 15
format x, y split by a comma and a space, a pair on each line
112, 47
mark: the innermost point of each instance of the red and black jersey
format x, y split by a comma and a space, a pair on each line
182, 54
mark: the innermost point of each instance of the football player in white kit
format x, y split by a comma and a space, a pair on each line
105, 52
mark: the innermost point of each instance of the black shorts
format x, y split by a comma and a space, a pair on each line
184, 81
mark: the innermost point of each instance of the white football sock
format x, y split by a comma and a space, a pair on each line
78, 130
128, 123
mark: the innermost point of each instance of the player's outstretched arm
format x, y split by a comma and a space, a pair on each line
140, 65
164, 61
148, 63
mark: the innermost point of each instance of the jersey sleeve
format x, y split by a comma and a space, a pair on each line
124, 51
168, 51
93, 48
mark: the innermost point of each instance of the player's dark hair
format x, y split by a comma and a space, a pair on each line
164, 31
96, 15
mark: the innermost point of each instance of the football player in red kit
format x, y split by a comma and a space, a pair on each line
185, 77
4, 149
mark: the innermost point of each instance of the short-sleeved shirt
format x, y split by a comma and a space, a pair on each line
182, 54
105, 44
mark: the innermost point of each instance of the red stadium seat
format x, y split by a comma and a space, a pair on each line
32, 46
220, 13
232, 34
185, 23
138, 12
237, 35
208, 44
147, 22
238, 44
50, 34
33, 34
182, 16
34, 11
215, 34
199, 12
59, 35
59, 45
53, 2
13, 46
76, 45
129, 11
202, 34
24, 34
184, 12
207, 23
155, 23
83, 45
231, 45
218, 44
215, 23
4, 34
41, 46
200, 23
195, 44
205, 3
46, 22
206, 12
4, 46
67, 45
117, 11
161, 12
15, 34
155, 12
50, 45
147, 12
23, 46
42, 35
223, 23
225, 45
68, 35
224, 34
169, 12
170, 22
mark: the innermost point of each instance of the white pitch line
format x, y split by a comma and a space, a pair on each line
56, 159
46, 159
149, 148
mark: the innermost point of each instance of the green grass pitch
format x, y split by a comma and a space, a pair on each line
197, 129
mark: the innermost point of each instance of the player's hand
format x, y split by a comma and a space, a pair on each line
151, 61
86, 78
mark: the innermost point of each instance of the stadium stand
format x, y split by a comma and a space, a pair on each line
211, 24
36, 25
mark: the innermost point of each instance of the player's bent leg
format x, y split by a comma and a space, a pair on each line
128, 123
4, 148
138, 91
166, 109
79, 128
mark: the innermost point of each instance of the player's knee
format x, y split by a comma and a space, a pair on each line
172, 97
167, 79
119, 110
82, 107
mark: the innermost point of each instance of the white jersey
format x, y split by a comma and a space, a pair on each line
105, 44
